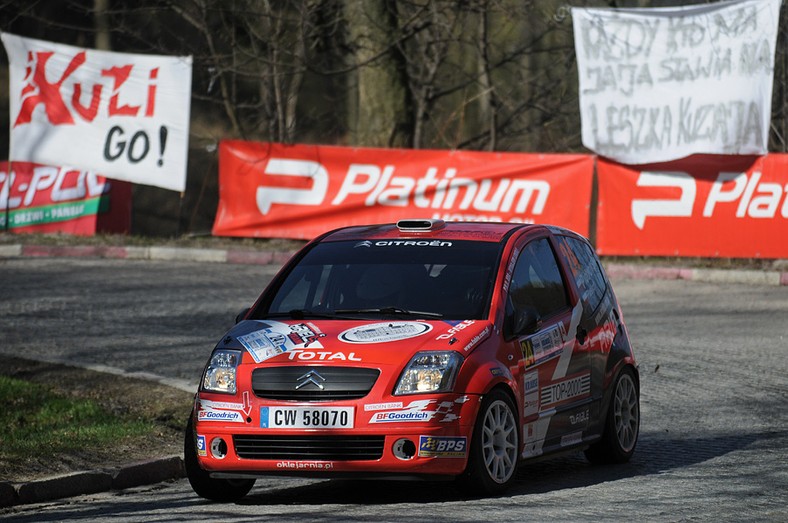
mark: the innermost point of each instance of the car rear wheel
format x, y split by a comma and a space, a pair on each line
221, 490
622, 425
492, 462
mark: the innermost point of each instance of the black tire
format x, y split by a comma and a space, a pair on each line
221, 490
495, 447
622, 424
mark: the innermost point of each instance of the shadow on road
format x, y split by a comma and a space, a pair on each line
655, 454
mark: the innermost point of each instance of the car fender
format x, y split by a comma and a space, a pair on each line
482, 372
620, 356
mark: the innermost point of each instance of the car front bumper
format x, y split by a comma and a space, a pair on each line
430, 436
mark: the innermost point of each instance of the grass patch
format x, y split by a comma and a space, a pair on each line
57, 419
40, 424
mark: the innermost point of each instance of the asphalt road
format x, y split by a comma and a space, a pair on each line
714, 433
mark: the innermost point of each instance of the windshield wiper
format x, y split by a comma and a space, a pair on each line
391, 310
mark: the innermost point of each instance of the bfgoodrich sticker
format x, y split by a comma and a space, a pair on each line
220, 415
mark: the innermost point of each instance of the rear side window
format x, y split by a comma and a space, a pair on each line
536, 281
586, 270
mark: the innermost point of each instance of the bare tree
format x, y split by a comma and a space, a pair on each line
379, 113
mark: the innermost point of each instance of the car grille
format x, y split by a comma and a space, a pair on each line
330, 384
320, 448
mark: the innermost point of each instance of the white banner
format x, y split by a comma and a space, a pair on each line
661, 84
125, 116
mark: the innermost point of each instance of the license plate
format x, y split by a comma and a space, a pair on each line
306, 417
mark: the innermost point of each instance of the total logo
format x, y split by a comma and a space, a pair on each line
378, 185
307, 355
755, 199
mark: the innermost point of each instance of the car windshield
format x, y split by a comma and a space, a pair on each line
388, 279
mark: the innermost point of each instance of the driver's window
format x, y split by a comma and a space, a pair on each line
536, 281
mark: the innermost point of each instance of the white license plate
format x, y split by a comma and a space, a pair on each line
306, 417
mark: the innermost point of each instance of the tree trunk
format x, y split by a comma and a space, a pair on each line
380, 116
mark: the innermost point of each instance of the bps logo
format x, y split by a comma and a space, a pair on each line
442, 447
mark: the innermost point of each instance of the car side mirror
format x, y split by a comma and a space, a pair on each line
241, 315
521, 322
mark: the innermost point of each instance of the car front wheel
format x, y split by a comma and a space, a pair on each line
492, 462
221, 490
622, 425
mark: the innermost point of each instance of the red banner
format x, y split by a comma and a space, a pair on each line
44, 199
710, 206
300, 191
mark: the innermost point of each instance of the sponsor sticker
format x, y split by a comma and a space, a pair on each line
262, 346
580, 417
534, 436
320, 355
409, 243
566, 389
477, 339
456, 327
385, 332
309, 465
220, 405
230, 416
402, 415
201, 448
543, 346
383, 406
572, 439
276, 338
416, 411
443, 447
531, 387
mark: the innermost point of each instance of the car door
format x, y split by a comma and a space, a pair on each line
600, 315
554, 363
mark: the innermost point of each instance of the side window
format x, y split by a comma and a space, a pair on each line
536, 281
585, 268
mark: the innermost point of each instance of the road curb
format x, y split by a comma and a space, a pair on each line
91, 482
158, 253
745, 276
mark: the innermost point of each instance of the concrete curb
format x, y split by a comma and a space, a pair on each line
746, 276
159, 253
91, 482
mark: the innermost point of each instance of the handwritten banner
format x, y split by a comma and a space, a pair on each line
299, 191
124, 115
661, 84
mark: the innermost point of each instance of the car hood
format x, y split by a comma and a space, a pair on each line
335, 341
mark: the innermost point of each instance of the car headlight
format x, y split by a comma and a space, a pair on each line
432, 371
221, 370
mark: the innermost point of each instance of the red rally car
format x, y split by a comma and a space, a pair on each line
419, 349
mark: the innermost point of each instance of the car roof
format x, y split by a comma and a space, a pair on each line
427, 230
